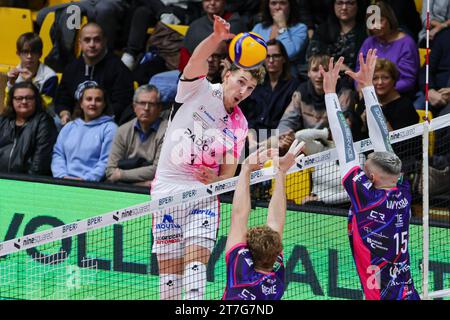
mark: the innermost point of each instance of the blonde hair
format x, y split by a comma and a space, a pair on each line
265, 245
258, 73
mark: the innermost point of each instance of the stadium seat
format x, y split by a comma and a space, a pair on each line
422, 114
418, 5
56, 2
422, 56
44, 33
181, 29
13, 23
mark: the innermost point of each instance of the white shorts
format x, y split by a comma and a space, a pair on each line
195, 219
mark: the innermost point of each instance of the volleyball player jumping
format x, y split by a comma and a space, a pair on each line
254, 259
380, 200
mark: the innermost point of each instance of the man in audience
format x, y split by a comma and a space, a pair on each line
137, 144
99, 65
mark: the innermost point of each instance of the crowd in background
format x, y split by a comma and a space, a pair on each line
105, 118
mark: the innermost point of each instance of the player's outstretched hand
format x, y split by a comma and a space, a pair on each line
256, 160
331, 76
222, 28
364, 76
292, 156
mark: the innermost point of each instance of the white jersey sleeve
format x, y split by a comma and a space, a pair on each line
342, 135
376, 123
188, 88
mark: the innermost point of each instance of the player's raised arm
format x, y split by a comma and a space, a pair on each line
276, 215
241, 206
198, 63
378, 130
342, 135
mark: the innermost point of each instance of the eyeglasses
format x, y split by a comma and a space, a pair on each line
21, 98
340, 3
275, 56
144, 104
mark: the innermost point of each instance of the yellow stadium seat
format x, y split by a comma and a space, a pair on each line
298, 184
44, 33
181, 29
56, 2
422, 56
422, 114
13, 23
418, 5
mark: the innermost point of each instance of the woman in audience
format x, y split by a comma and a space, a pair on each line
396, 46
398, 110
29, 49
27, 132
82, 149
343, 32
280, 20
265, 106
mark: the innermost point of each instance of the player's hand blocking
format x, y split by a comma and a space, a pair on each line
331, 76
256, 160
364, 77
291, 157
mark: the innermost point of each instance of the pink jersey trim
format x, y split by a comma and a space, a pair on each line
240, 244
349, 172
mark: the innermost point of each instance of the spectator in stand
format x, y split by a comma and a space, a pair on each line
396, 46
314, 13
26, 4
398, 111
146, 13
83, 145
29, 49
439, 19
201, 28
97, 64
342, 34
247, 9
307, 107
281, 21
109, 14
407, 15
137, 144
27, 132
265, 106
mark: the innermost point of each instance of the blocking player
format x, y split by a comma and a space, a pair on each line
202, 145
380, 199
254, 258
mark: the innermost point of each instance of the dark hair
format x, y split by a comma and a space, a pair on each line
78, 111
293, 18
387, 12
32, 39
331, 29
286, 73
9, 111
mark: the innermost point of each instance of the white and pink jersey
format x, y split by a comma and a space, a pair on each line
202, 132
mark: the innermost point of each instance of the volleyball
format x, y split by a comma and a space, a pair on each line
247, 50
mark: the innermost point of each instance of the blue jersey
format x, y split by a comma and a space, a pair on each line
244, 283
379, 234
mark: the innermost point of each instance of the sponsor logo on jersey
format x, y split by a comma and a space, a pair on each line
247, 295
358, 176
217, 93
399, 222
167, 223
268, 290
174, 238
377, 217
229, 134
210, 117
206, 212
367, 185
249, 261
398, 268
374, 244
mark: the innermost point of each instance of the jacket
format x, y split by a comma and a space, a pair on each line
27, 149
82, 149
110, 73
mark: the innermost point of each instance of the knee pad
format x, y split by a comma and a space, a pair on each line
170, 286
194, 280
201, 242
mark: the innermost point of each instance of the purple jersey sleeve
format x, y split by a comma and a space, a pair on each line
362, 193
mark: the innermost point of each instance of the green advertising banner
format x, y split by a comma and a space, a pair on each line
116, 262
